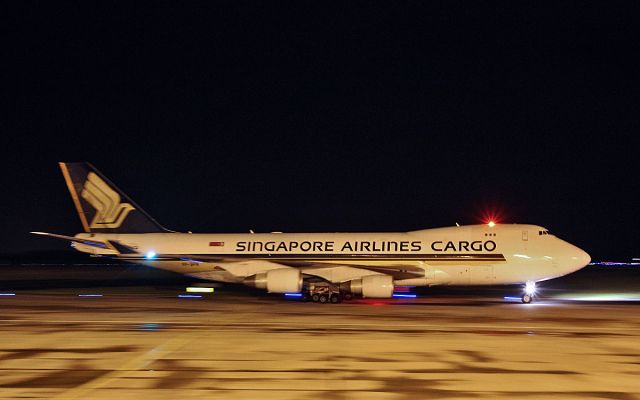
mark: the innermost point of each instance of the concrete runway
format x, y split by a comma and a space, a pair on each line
135, 343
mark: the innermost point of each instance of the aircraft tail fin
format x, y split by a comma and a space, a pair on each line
101, 206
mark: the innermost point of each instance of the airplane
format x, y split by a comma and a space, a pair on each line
321, 267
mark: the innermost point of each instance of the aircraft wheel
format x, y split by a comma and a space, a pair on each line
336, 298
315, 298
347, 296
526, 298
305, 297
323, 298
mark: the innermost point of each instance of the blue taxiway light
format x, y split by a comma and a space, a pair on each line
7, 294
293, 294
189, 296
149, 327
89, 295
634, 263
512, 298
150, 254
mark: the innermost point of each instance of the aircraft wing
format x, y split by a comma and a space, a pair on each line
396, 271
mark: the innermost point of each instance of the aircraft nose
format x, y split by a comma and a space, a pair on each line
579, 258
584, 257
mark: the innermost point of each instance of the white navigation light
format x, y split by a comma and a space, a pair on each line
150, 254
491, 224
530, 288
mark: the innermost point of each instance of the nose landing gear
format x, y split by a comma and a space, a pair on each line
529, 292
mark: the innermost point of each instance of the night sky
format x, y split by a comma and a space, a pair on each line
327, 116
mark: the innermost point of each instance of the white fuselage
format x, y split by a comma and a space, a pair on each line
465, 255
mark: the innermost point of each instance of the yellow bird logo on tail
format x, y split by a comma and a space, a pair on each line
110, 213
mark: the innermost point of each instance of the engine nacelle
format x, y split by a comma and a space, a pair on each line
379, 286
281, 280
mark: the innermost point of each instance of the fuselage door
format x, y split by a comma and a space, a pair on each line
525, 235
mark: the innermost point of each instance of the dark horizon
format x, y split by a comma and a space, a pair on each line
230, 116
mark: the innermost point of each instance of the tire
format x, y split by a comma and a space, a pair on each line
315, 297
526, 298
335, 299
323, 298
347, 296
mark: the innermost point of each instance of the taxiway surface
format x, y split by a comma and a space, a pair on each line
142, 342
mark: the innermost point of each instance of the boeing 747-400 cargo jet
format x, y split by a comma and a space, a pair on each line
324, 267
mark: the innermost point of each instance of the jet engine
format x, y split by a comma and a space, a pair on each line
281, 280
380, 286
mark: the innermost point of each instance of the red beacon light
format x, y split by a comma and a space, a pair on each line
491, 216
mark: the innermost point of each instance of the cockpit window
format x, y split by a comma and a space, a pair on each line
545, 232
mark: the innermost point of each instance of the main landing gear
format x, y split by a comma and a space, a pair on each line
323, 292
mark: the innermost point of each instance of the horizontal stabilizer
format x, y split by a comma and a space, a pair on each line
88, 242
108, 244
